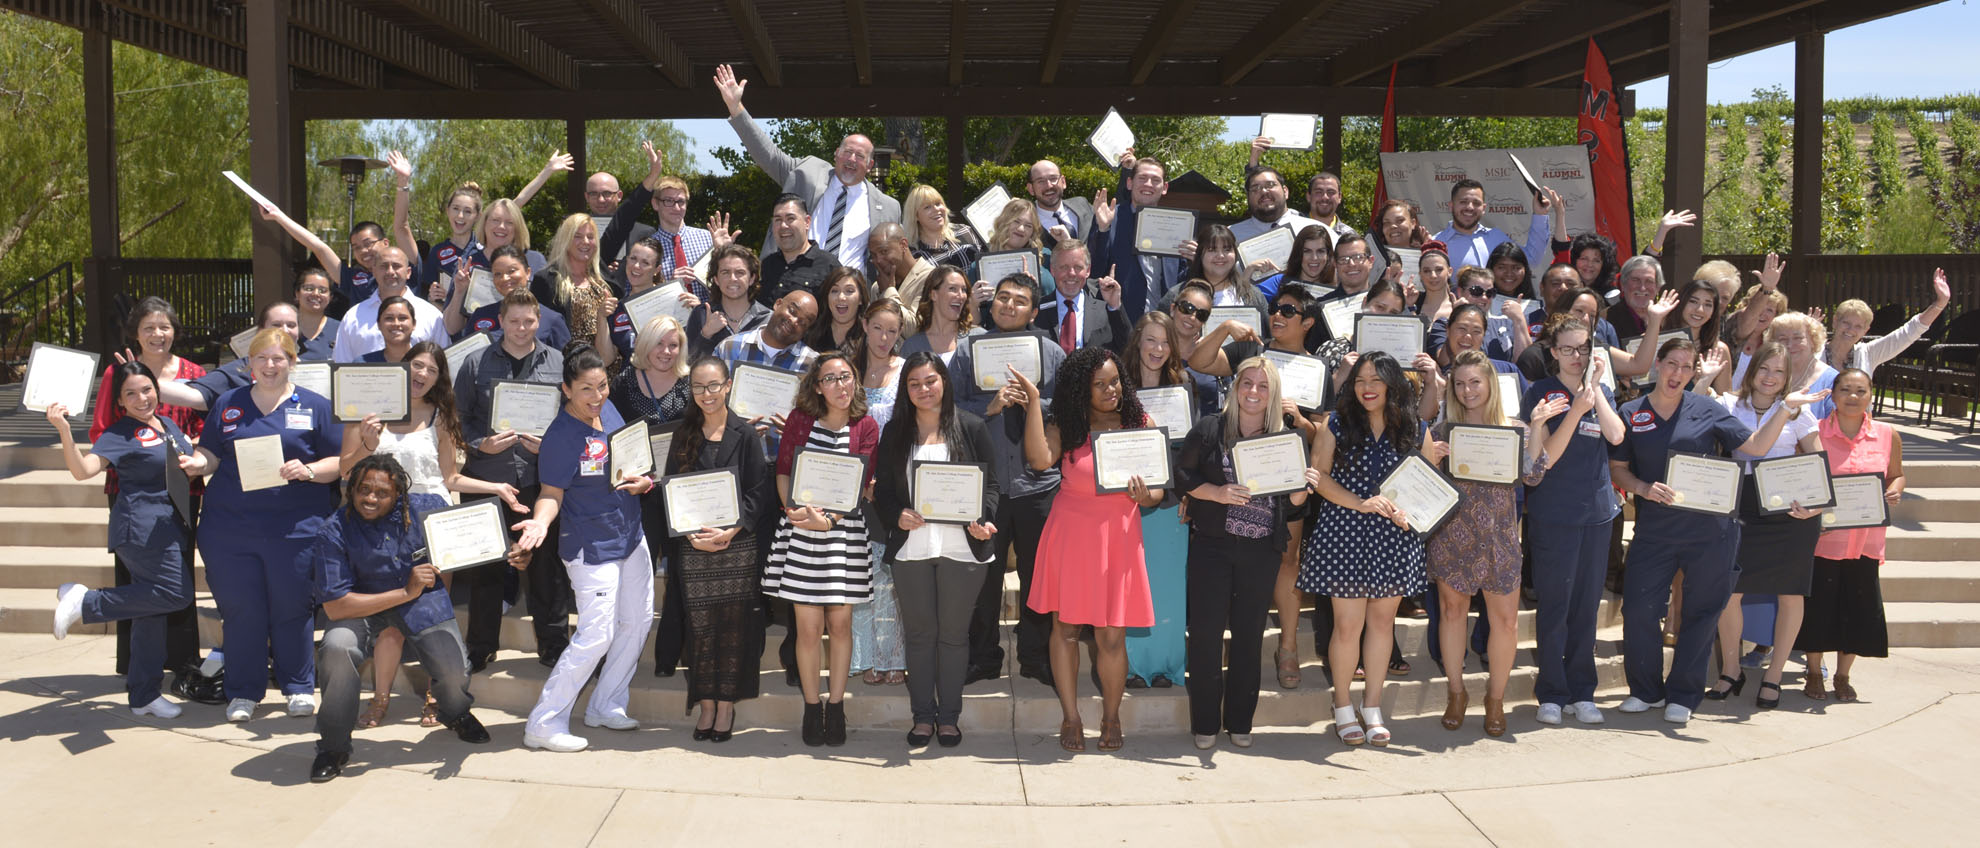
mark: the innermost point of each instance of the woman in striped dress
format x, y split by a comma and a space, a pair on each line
819, 560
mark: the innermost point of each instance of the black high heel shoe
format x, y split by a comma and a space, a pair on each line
1722, 694
1762, 701
723, 734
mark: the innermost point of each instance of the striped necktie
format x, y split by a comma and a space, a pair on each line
838, 225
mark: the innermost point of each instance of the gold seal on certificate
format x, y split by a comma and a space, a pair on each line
467, 535
1785, 481
1242, 314
1302, 379
631, 452
829, 480
360, 389
991, 356
1424, 496
1859, 502
1160, 230
314, 376
948, 492
1400, 336
523, 406
1172, 408
58, 375
1273, 245
1273, 464
1121, 455
760, 391
1339, 314
1708, 484
1484, 454
258, 461
708, 499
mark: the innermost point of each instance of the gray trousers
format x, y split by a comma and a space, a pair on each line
937, 598
345, 645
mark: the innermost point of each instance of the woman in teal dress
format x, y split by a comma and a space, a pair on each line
1156, 654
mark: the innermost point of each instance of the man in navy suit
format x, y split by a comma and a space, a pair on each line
1145, 278
1082, 312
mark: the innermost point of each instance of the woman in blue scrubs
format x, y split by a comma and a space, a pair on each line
256, 570
144, 531
604, 551
1669, 540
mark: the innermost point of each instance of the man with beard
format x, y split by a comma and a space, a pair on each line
1058, 216
1471, 242
1265, 192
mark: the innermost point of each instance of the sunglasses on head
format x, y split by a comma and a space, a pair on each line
1198, 313
1477, 291
1286, 310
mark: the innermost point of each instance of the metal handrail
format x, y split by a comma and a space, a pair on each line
26, 308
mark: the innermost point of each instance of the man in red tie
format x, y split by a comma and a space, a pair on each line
1082, 312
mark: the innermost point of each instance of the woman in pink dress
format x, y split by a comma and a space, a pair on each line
1090, 566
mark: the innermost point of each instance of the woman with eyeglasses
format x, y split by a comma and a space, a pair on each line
316, 332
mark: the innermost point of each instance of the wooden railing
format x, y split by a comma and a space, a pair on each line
1904, 279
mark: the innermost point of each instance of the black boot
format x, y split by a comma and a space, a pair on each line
835, 723
814, 725
469, 729
327, 767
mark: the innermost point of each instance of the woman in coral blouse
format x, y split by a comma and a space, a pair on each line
1845, 609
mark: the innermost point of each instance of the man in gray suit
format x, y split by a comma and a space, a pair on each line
844, 204
1059, 216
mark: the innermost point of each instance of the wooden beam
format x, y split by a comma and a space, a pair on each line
1684, 129
749, 27
1746, 35
344, 24
1155, 42
1482, 56
954, 124
645, 34
1055, 41
1330, 142
199, 48
1808, 124
1278, 29
1653, 42
307, 51
958, 38
1419, 34
102, 274
491, 31
862, 43
271, 150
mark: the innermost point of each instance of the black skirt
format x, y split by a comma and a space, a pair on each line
1845, 610
1776, 552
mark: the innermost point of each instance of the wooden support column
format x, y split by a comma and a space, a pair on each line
272, 150
102, 272
954, 123
1684, 133
574, 181
1330, 144
1806, 239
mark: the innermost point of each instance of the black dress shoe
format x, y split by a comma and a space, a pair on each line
663, 672
982, 672
327, 767
723, 734
949, 740
469, 729
835, 723
480, 663
701, 734
917, 740
813, 729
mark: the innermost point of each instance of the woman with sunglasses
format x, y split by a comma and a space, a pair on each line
1505, 335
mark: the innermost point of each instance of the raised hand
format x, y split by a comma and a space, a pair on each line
1258, 147
718, 229
1547, 410
1714, 362
1110, 291
1104, 211
729, 87
1550, 202
1024, 385
1941, 290
401, 167
58, 415
1674, 219
559, 162
1797, 400
654, 161
1770, 272
1127, 158
1664, 304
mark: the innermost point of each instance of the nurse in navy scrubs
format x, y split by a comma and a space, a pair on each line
1669, 540
604, 551
254, 562
144, 531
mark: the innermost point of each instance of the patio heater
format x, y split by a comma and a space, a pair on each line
352, 169
883, 161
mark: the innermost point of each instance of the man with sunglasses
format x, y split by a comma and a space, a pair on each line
1505, 337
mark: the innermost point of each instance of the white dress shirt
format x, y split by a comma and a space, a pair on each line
358, 334
852, 233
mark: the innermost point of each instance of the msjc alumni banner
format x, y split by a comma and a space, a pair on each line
1425, 179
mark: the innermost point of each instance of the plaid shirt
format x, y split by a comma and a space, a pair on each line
695, 243
748, 347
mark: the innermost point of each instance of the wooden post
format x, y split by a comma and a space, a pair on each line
1330, 143
102, 272
954, 123
1684, 134
574, 181
271, 149
1806, 239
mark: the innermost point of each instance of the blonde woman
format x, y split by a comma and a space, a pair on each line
574, 286
1847, 349
502, 224
932, 236
1016, 228
1801, 335
653, 385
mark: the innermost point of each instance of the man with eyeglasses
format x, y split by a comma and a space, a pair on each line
681, 246
1059, 216
1265, 195
847, 204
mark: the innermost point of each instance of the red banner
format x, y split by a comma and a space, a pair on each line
1608, 153
1387, 145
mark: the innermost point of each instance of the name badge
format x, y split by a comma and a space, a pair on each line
300, 419
1589, 428
592, 464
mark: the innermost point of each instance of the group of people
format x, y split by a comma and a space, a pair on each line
878, 306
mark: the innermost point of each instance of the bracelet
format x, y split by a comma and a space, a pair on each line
310, 471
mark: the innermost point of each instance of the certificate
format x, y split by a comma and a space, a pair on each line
314, 376
258, 460
178, 486
1288, 132
1525, 176
1302, 379
1608, 366
1317, 290
664, 299
458, 353
1636, 342
1274, 245
1400, 336
1112, 138
238, 342
981, 213
994, 267
1172, 408
1158, 230
990, 355
1499, 302
759, 391
1273, 464
1245, 315
1119, 455
660, 441
467, 535
523, 406
1424, 496
1411, 261
1708, 484
1339, 314
1509, 398
1859, 502
947, 492
708, 499
1484, 454
58, 375
1785, 481
248, 189
828, 480
481, 290
384, 389
631, 452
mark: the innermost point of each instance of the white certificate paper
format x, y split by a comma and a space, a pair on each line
708, 499
238, 342
994, 267
1287, 131
1172, 408
1411, 261
58, 375
481, 289
1112, 138
1273, 464
457, 353
1636, 342
660, 441
1400, 336
1484, 454
981, 213
664, 299
1424, 496
523, 406
314, 376
1120, 455
259, 461
1509, 398
1708, 484
1859, 502
828, 480
253, 195
360, 389
467, 535
631, 452
1242, 314
1158, 230
1302, 379
1274, 245
991, 357
1785, 481
759, 391
947, 492
1339, 314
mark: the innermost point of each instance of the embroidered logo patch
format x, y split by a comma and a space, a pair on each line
232, 413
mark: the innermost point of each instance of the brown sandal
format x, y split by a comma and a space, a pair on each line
1454, 707
1072, 736
1495, 716
873, 677
1844, 692
1288, 662
1110, 735
1811, 688
896, 678
430, 716
375, 713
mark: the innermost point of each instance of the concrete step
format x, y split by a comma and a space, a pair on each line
1932, 541
16, 457
1924, 474
33, 611
1936, 504
66, 527
1933, 625
51, 487
1934, 582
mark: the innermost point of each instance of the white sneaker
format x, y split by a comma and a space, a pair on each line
1586, 712
1205, 743
68, 607
302, 705
1638, 705
1677, 713
240, 709
563, 743
1242, 740
158, 707
1548, 714
613, 721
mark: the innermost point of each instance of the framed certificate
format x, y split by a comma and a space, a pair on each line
947, 492
663, 299
708, 499
1484, 454
1272, 464
178, 486
58, 375
481, 290
1525, 176
523, 406
1400, 336
981, 213
1288, 132
991, 355
631, 452
1119, 455
1242, 314
1411, 260
1422, 493
1274, 245
994, 267
1509, 398
1302, 379
459, 352
1859, 502
258, 460
1782, 482
1171, 408
760, 391
1159, 230
1112, 138
1340, 312
314, 376
660, 442
238, 342
829, 480
359, 389
1707, 484
467, 535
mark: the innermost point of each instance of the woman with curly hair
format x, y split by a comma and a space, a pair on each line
1091, 567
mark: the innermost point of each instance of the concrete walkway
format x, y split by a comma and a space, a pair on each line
1901, 767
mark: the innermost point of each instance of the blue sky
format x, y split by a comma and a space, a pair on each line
1922, 53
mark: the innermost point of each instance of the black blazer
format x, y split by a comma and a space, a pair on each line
1202, 461
742, 450
1100, 326
890, 486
